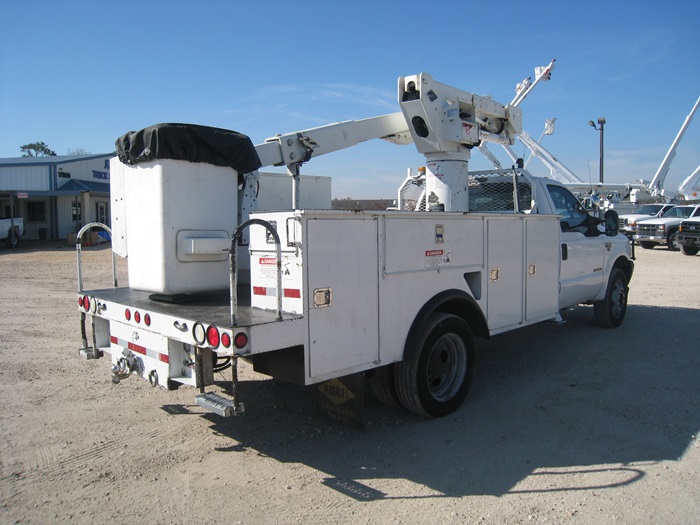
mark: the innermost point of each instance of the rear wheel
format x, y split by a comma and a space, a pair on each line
435, 382
381, 380
610, 312
672, 241
646, 245
689, 250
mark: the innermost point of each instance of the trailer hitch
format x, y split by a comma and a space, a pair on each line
125, 366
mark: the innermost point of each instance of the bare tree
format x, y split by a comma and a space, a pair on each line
77, 151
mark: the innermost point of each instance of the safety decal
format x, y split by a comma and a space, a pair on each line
437, 258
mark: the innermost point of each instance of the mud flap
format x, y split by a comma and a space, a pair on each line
342, 401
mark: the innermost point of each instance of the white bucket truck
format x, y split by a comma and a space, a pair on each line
398, 295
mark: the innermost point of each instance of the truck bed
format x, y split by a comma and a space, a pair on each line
214, 308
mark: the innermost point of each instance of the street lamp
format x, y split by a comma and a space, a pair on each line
601, 121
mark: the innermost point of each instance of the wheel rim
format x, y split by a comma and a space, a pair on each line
618, 299
674, 241
447, 367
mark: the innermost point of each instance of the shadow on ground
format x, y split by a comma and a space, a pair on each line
562, 402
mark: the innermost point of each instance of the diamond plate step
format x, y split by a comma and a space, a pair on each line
220, 405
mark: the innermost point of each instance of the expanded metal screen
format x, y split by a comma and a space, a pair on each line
489, 191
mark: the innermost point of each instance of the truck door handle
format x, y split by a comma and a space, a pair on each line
564, 252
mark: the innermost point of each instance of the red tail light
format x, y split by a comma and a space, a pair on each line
137, 316
240, 340
147, 319
127, 314
226, 340
213, 336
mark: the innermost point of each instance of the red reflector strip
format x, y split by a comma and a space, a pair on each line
292, 293
140, 349
137, 348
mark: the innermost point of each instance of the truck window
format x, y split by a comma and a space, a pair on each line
573, 215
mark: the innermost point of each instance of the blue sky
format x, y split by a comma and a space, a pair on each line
79, 74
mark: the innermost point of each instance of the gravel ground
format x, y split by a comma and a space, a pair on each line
565, 423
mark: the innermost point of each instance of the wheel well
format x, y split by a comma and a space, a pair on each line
626, 265
456, 302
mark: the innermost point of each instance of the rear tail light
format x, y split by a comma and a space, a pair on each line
240, 340
127, 314
86, 303
213, 337
147, 319
226, 340
137, 316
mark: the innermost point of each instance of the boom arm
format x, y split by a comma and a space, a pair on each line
657, 183
690, 187
301, 146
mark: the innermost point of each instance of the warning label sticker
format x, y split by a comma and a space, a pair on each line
268, 268
436, 258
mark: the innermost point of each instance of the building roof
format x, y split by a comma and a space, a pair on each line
85, 185
50, 160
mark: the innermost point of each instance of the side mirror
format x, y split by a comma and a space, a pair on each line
612, 224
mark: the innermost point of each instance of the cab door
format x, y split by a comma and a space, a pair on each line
582, 249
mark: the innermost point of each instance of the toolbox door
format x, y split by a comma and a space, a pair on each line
342, 295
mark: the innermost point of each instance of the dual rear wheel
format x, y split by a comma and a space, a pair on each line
435, 381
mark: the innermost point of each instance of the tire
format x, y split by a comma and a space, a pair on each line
672, 241
689, 250
436, 380
610, 312
12, 240
647, 245
381, 381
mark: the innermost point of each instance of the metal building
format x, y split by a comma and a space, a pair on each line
57, 195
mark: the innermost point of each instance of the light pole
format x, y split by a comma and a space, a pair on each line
601, 122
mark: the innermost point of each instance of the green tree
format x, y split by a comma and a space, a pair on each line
37, 149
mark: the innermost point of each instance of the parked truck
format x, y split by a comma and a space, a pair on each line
11, 231
628, 221
689, 236
664, 230
317, 297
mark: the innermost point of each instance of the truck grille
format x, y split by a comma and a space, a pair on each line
691, 228
646, 229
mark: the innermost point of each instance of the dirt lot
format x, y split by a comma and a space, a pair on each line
564, 424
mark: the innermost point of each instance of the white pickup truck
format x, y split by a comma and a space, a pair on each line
664, 230
11, 231
689, 236
628, 221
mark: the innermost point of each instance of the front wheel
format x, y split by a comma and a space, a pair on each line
436, 380
610, 312
672, 241
13, 239
689, 250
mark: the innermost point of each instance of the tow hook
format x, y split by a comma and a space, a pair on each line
125, 366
